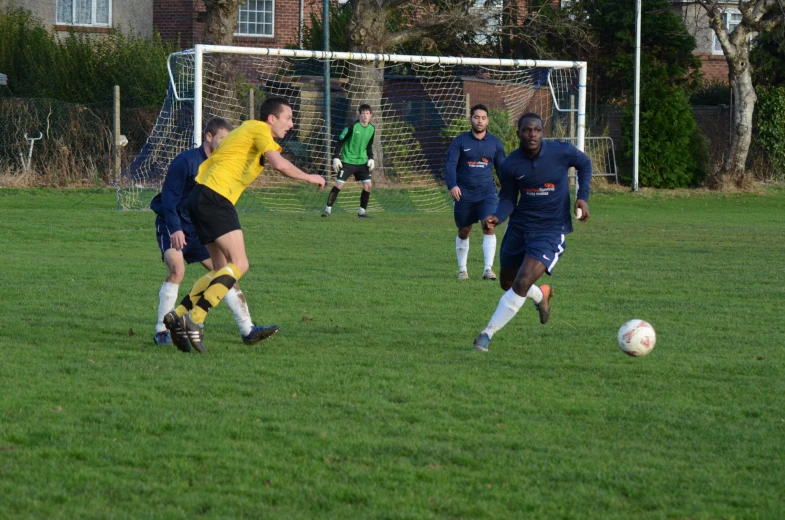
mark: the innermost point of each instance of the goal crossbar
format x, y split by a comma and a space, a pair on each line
200, 50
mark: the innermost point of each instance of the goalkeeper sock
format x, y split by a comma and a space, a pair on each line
235, 300
509, 305
488, 250
462, 251
192, 297
219, 285
332, 196
364, 196
167, 297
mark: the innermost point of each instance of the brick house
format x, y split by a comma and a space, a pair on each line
707, 47
262, 23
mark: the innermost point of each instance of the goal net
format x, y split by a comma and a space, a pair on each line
419, 104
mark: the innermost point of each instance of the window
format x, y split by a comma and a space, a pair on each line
730, 19
256, 18
84, 12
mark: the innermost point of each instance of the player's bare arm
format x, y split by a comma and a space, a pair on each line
283, 165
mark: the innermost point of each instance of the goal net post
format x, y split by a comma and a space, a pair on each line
419, 104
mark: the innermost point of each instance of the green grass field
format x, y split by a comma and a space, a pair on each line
370, 402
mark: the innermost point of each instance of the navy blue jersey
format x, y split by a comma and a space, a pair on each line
469, 164
541, 182
178, 184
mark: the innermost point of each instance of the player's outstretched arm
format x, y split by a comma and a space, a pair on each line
277, 161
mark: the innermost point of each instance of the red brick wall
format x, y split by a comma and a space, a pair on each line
177, 19
714, 67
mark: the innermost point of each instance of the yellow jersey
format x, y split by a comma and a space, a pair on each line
237, 160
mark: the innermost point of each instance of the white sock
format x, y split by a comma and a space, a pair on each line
489, 250
167, 298
535, 293
509, 305
235, 299
462, 251
362, 211
328, 209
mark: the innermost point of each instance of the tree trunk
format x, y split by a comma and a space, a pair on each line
220, 97
367, 32
220, 21
744, 99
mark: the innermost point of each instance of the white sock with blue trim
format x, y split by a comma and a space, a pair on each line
235, 300
489, 250
462, 251
509, 305
167, 298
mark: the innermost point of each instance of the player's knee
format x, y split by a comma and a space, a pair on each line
463, 233
367, 186
242, 265
505, 283
176, 273
521, 286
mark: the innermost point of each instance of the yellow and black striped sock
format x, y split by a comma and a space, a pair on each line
192, 297
222, 280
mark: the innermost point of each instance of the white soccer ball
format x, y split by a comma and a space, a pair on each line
636, 338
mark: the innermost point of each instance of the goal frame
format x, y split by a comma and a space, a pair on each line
200, 50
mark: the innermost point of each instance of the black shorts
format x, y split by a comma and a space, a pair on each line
360, 172
212, 214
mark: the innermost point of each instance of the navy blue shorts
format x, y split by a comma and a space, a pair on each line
194, 251
468, 213
546, 247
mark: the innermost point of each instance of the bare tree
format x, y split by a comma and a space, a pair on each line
757, 16
220, 21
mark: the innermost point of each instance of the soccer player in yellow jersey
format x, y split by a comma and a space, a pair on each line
221, 180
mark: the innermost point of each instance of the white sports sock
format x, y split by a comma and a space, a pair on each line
362, 211
509, 305
535, 293
235, 299
462, 251
167, 298
489, 250
328, 209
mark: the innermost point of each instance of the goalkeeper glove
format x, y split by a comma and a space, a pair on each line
371, 165
337, 165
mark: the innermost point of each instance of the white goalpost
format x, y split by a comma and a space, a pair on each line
419, 104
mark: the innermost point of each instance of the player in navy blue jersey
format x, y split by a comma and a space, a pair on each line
177, 238
535, 194
468, 175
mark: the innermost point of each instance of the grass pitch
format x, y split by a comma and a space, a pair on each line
370, 402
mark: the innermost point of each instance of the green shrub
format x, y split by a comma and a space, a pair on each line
81, 68
713, 92
770, 113
673, 153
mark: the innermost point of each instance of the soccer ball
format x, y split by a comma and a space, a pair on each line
636, 338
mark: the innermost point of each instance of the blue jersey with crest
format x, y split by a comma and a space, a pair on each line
535, 190
469, 165
179, 183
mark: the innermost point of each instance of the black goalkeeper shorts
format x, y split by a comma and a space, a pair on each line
212, 214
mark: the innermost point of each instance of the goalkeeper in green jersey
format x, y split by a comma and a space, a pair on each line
354, 156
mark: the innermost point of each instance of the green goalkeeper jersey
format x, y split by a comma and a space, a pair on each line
355, 144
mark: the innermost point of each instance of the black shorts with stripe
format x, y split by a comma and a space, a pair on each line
360, 172
212, 214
